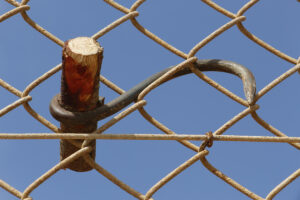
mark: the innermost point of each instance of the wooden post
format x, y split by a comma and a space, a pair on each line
82, 59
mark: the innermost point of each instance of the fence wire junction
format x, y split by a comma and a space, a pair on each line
131, 14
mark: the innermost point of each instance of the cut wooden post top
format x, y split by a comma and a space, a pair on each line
83, 50
82, 58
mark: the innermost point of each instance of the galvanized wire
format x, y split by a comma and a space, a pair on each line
132, 14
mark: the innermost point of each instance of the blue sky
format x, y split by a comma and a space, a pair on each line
186, 105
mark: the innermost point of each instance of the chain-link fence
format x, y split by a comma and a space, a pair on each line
131, 14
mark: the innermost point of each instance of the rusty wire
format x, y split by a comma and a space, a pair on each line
130, 15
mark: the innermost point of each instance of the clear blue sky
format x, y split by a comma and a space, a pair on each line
186, 105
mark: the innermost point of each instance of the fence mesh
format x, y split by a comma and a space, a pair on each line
131, 14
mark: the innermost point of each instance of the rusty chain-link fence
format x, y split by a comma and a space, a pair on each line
131, 14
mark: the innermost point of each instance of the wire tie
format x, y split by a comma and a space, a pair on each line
208, 142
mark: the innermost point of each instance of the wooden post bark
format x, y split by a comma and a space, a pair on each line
82, 59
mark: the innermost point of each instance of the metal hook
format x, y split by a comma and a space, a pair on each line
130, 96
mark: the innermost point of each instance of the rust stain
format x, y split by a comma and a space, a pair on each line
80, 81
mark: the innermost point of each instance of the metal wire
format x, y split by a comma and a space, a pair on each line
131, 14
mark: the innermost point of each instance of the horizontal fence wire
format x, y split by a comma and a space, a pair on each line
131, 14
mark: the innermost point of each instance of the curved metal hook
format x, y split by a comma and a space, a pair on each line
130, 96
242, 72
